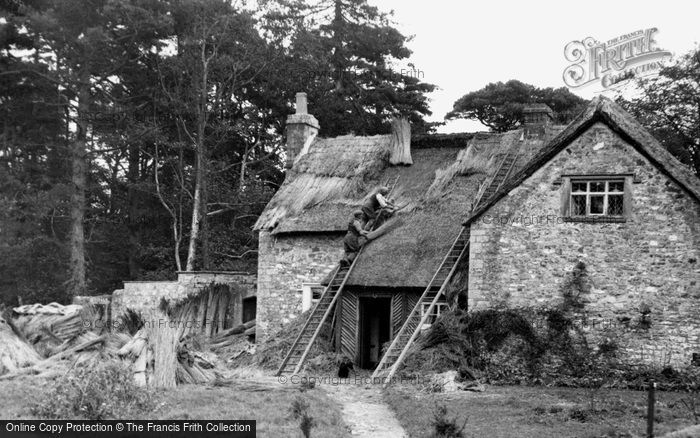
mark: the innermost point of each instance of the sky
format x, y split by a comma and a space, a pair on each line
461, 46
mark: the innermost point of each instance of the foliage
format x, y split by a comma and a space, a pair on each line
669, 106
445, 427
346, 54
300, 411
536, 346
500, 105
95, 391
113, 123
575, 287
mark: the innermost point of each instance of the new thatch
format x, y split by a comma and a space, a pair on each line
334, 171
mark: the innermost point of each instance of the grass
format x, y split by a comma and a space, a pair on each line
270, 407
540, 412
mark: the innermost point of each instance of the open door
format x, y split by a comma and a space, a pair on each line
375, 329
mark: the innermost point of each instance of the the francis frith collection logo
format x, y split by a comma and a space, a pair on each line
614, 61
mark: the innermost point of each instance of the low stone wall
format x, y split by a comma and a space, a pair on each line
143, 296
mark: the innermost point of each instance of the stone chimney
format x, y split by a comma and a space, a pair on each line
536, 117
302, 128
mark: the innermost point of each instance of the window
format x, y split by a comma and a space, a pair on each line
310, 294
596, 199
438, 310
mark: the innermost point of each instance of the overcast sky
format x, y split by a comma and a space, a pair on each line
461, 46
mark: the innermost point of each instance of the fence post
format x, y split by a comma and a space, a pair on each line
650, 409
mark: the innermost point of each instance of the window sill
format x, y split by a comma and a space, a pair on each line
596, 219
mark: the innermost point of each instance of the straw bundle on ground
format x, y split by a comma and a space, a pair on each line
163, 341
14, 352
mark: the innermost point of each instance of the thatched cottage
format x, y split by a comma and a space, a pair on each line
600, 193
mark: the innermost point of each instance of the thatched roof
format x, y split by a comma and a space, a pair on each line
438, 190
604, 110
332, 172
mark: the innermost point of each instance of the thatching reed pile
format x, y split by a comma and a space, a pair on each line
14, 352
162, 350
164, 347
400, 142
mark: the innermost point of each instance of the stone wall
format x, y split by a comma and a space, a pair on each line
143, 296
642, 276
284, 263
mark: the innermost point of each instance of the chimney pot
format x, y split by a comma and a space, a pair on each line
537, 114
301, 107
536, 118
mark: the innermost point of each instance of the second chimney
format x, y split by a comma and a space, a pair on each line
536, 117
302, 128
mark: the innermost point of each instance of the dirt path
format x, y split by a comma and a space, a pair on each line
365, 411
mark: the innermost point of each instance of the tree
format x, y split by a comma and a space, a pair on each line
34, 195
219, 56
343, 54
499, 105
669, 106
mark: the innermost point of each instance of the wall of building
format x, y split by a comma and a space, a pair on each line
142, 296
284, 263
643, 275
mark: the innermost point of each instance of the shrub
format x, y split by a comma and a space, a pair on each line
445, 427
97, 390
579, 415
300, 411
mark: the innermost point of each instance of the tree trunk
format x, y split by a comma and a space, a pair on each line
133, 175
199, 206
337, 59
77, 282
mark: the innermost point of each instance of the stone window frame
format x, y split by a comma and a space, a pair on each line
308, 295
627, 198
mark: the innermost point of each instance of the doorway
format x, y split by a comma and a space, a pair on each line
375, 329
249, 306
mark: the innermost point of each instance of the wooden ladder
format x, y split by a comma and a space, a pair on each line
410, 330
495, 183
296, 356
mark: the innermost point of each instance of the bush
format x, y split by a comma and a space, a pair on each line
445, 427
534, 346
98, 390
300, 411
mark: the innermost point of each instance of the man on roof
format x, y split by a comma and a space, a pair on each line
375, 205
354, 238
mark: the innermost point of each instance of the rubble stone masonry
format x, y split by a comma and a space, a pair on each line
643, 275
284, 263
143, 296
